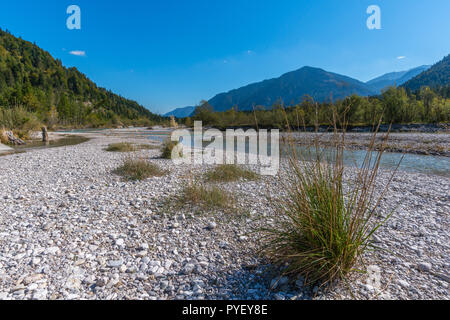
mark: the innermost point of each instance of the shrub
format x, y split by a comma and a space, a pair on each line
20, 121
138, 169
326, 221
228, 173
168, 147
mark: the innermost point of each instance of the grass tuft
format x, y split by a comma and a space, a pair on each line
121, 147
138, 169
229, 172
168, 147
129, 147
326, 222
205, 197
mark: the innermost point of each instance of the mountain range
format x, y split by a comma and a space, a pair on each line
321, 85
291, 88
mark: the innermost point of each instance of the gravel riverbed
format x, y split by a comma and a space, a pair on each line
411, 142
70, 229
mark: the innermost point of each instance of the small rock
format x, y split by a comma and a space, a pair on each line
120, 242
115, 263
188, 268
142, 253
279, 296
100, 283
403, 283
211, 225
424, 266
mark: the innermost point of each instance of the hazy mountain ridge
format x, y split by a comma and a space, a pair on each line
395, 78
181, 112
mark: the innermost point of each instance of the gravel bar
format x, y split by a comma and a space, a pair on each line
70, 229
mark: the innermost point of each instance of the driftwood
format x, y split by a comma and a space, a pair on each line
44, 134
13, 139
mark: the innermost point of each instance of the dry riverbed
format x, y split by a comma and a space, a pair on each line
70, 229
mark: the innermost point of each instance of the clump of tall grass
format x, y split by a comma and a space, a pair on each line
138, 169
129, 147
326, 221
121, 147
170, 148
229, 172
205, 197
20, 121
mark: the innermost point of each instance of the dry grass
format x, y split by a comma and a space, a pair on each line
129, 147
205, 197
138, 169
229, 173
170, 149
121, 147
3, 137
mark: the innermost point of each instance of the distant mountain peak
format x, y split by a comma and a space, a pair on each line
396, 78
291, 87
180, 112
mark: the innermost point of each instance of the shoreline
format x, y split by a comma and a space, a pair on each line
419, 143
410, 143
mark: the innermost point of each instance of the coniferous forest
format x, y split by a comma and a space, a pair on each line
37, 89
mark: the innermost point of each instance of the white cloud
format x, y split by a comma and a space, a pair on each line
401, 57
78, 53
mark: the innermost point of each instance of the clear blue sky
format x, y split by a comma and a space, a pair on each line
167, 54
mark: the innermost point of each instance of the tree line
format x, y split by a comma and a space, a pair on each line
395, 105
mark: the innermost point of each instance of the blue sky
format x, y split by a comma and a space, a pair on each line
169, 54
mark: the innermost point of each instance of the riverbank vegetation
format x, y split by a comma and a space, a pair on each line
396, 105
